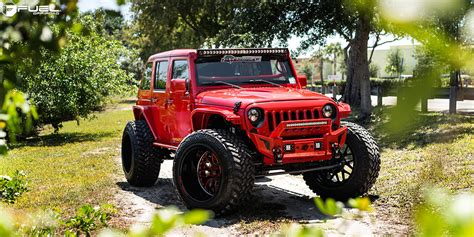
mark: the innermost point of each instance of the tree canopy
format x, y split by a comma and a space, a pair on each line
394, 62
77, 80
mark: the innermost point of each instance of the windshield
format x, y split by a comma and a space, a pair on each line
244, 69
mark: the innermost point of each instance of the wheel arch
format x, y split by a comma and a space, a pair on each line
213, 118
150, 115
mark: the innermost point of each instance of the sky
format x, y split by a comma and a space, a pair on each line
293, 43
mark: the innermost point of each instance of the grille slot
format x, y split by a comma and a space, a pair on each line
274, 118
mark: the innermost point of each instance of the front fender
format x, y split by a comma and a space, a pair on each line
200, 116
344, 109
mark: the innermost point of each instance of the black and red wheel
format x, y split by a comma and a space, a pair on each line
213, 170
359, 160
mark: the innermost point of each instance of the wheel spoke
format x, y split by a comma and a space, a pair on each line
209, 172
345, 151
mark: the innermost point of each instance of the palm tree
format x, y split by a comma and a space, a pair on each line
333, 50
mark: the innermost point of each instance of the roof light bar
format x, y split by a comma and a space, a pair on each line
292, 125
210, 52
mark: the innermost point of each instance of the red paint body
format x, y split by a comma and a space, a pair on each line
175, 112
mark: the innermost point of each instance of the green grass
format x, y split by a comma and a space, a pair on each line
433, 150
70, 168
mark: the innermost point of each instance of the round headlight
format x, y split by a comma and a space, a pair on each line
255, 116
329, 111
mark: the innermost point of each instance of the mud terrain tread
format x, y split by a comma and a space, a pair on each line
146, 161
374, 154
243, 175
372, 162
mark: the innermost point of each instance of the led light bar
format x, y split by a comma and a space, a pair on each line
292, 125
211, 52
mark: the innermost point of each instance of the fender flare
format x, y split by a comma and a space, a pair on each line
150, 114
200, 116
344, 109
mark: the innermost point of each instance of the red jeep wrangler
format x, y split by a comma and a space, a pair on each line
226, 116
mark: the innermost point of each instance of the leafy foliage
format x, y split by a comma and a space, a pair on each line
88, 219
329, 206
374, 70
11, 188
18, 115
394, 63
77, 81
16, 31
442, 214
308, 72
169, 218
164, 25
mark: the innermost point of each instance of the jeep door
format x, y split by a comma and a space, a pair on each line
159, 98
177, 109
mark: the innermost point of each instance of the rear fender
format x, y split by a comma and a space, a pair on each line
201, 116
150, 114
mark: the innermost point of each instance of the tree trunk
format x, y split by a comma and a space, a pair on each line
321, 66
357, 91
454, 85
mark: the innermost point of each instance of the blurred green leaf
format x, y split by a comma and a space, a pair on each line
441, 214
196, 216
361, 203
328, 207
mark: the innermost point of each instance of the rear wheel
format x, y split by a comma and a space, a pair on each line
140, 160
213, 170
360, 165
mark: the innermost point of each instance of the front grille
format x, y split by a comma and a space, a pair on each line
276, 117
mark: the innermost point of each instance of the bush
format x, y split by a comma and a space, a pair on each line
88, 219
75, 82
11, 188
374, 70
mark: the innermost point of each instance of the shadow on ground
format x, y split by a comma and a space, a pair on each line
269, 203
59, 139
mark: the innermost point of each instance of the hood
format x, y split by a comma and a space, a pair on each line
228, 97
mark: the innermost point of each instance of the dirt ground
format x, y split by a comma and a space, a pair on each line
277, 201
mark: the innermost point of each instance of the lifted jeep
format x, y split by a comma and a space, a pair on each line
226, 116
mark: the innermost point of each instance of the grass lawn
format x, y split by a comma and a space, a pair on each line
434, 150
72, 167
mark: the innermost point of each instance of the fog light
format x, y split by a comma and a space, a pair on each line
318, 145
289, 147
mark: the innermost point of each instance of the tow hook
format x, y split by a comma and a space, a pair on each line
335, 151
277, 155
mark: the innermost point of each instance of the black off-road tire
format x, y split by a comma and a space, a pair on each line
364, 173
140, 159
238, 171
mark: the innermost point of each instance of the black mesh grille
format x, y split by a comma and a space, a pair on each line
274, 118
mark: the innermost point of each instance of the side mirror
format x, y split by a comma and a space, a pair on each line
303, 80
178, 86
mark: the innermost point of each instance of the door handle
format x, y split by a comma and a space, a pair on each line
153, 100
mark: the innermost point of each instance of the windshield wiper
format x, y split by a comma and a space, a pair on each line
261, 80
221, 82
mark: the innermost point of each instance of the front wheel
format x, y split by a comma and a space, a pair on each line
360, 165
213, 170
